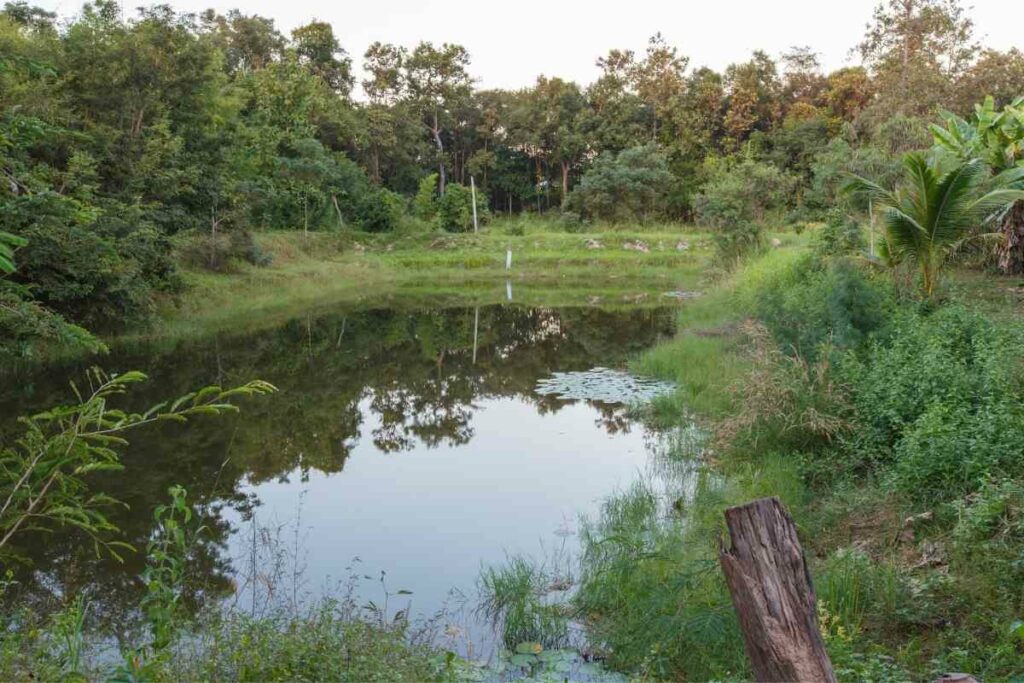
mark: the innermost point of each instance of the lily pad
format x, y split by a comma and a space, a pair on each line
604, 385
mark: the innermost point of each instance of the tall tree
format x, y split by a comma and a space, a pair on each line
914, 49
436, 79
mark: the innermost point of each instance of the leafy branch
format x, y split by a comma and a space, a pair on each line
42, 476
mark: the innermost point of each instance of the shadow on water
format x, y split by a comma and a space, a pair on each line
383, 384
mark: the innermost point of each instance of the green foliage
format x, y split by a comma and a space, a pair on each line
26, 327
8, 243
650, 588
455, 209
631, 185
932, 211
813, 303
737, 200
939, 401
424, 204
515, 599
326, 643
43, 475
841, 235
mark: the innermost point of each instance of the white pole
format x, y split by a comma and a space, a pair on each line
476, 330
508, 259
472, 189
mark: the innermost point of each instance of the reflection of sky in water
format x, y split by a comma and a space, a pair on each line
440, 452
430, 517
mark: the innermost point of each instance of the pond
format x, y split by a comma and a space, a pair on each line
405, 443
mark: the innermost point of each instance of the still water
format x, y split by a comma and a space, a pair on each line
408, 441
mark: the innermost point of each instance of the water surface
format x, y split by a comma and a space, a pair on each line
409, 441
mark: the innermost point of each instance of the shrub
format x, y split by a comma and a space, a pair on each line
737, 200
814, 302
219, 252
424, 204
455, 209
783, 401
840, 236
380, 210
632, 185
940, 402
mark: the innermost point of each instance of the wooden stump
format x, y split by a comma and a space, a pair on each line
773, 595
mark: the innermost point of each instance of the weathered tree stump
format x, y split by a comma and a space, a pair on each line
773, 595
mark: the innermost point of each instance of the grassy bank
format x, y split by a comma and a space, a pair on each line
329, 269
887, 428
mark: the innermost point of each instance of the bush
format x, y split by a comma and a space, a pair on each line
632, 185
219, 252
940, 402
380, 210
840, 236
747, 191
424, 204
455, 209
737, 200
26, 327
815, 302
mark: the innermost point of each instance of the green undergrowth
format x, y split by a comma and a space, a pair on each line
890, 430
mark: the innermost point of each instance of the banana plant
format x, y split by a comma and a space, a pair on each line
997, 138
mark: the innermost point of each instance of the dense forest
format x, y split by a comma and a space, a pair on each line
131, 146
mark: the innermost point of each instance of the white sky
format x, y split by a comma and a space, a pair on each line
511, 43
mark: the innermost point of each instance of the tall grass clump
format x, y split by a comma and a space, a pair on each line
519, 599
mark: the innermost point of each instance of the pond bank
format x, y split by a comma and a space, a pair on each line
555, 268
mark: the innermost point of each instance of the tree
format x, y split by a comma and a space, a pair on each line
248, 43
436, 78
659, 80
914, 49
997, 137
320, 52
931, 212
753, 93
545, 124
630, 185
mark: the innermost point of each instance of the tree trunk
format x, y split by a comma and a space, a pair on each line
436, 130
565, 179
773, 595
1011, 250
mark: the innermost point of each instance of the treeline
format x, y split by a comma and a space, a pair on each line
123, 138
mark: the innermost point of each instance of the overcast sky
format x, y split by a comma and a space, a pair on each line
512, 42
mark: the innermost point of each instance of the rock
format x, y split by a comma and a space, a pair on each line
593, 300
636, 246
358, 248
956, 678
776, 242
906, 533
682, 294
683, 246
593, 244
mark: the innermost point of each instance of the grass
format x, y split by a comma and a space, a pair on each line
330, 269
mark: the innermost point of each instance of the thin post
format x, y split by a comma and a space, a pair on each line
871, 225
773, 595
476, 330
472, 190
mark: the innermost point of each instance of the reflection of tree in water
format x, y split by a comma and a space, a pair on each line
409, 374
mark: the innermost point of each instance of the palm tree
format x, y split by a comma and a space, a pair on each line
932, 212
